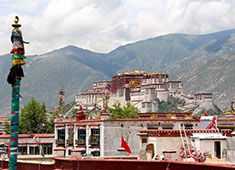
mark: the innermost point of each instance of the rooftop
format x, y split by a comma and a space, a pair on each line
176, 132
129, 119
47, 135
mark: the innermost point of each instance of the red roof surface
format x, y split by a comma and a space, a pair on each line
103, 114
94, 124
81, 124
25, 143
186, 130
168, 113
147, 119
137, 119
129, 119
4, 118
47, 135
227, 119
176, 132
60, 125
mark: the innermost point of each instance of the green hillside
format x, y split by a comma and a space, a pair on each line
45, 75
202, 62
213, 75
172, 52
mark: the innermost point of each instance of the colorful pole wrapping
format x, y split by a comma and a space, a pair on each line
14, 125
14, 77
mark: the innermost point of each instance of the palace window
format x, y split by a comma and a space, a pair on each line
34, 150
188, 126
149, 105
143, 105
47, 149
95, 137
82, 136
61, 134
95, 132
167, 126
22, 150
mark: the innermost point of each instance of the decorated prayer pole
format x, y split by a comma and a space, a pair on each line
61, 93
105, 102
14, 77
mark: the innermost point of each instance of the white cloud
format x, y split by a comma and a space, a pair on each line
106, 24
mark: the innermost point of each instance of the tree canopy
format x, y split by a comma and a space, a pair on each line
33, 119
170, 105
128, 111
6, 127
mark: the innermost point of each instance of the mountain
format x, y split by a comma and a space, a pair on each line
213, 75
171, 52
46, 74
202, 62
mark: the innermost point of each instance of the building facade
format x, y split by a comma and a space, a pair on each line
142, 90
205, 141
27, 145
102, 137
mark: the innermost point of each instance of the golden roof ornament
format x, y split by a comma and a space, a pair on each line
16, 20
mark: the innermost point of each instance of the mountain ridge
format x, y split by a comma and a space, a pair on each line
76, 68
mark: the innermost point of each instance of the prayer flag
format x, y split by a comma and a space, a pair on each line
125, 145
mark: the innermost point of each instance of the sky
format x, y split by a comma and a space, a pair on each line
103, 25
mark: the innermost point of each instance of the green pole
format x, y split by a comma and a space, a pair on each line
14, 125
14, 77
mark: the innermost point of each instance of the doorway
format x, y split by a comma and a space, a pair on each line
217, 149
149, 151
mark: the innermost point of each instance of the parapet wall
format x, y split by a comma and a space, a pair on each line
117, 164
91, 164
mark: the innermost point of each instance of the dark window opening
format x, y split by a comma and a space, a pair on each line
95, 132
34, 150
217, 149
81, 136
188, 126
83, 152
69, 152
144, 140
167, 126
61, 134
96, 153
47, 149
95, 137
22, 150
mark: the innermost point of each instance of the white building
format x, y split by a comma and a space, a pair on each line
142, 90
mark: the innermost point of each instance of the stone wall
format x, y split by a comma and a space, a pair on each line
114, 130
230, 155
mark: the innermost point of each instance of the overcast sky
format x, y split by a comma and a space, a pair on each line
103, 25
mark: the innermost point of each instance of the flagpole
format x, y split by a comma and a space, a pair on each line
61, 93
14, 78
216, 126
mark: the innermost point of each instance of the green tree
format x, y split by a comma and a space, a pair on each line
33, 118
127, 111
50, 125
7, 127
170, 105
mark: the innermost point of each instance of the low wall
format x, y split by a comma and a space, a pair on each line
91, 164
27, 166
116, 164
